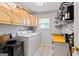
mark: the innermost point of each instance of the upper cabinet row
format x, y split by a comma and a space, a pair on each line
15, 15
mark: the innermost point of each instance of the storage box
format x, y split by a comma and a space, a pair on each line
4, 38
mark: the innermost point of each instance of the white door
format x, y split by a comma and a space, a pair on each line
44, 26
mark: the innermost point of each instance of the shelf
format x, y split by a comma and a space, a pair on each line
65, 9
60, 23
58, 38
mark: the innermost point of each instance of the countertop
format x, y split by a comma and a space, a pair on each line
28, 34
58, 38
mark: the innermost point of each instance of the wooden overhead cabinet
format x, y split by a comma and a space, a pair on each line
33, 20
5, 17
9, 18
10, 14
24, 17
15, 20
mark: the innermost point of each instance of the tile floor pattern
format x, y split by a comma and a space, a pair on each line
44, 50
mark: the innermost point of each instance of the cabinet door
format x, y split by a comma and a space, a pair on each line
16, 20
3, 4
24, 17
18, 16
33, 20
5, 17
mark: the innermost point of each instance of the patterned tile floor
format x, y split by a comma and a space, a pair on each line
44, 50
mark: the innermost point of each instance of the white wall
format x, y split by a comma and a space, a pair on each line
6, 29
60, 49
50, 15
76, 25
67, 28
46, 33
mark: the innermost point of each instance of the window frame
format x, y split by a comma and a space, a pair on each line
39, 23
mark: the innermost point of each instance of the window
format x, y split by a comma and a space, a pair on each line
44, 22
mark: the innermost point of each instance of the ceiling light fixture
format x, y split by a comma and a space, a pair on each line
41, 4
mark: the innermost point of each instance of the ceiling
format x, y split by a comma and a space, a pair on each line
48, 7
